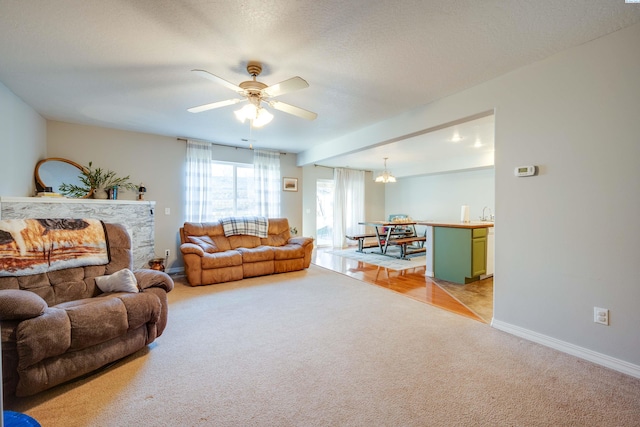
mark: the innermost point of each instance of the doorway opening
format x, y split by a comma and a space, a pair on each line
324, 212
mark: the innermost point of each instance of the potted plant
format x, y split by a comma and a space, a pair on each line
96, 182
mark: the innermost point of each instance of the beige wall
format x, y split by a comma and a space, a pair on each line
22, 144
439, 197
158, 162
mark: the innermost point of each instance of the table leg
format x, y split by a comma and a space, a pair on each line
383, 237
386, 240
379, 239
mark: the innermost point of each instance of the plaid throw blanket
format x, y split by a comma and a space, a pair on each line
249, 225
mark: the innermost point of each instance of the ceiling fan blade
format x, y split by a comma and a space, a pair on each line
296, 111
213, 105
207, 75
293, 84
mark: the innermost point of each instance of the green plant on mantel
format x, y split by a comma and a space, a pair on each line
93, 179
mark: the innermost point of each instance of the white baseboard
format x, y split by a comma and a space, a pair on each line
574, 350
175, 270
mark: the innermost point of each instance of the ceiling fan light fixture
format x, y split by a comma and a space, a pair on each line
256, 93
262, 118
258, 116
385, 176
248, 112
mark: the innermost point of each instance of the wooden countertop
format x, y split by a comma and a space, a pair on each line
472, 224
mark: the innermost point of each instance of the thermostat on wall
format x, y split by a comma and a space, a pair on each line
526, 170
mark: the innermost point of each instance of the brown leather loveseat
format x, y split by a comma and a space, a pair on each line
59, 325
211, 257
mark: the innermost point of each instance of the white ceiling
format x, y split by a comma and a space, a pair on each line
126, 64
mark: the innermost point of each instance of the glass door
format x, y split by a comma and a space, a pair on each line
324, 212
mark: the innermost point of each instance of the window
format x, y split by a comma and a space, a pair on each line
218, 189
233, 189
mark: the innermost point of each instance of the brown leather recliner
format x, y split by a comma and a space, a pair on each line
211, 257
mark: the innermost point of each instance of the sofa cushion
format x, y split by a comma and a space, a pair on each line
279, 233
16, 304
42, 337
58, 286
289, 252
120, 281
221, 259
95, 320
243, 241
141, 308
211, 229
210, 244
204, 242
274, 240
261, 253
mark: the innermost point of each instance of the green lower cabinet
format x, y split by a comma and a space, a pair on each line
459, 254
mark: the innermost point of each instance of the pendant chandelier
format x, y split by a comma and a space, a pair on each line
385, 176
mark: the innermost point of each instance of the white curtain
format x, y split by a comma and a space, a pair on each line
199, 205
348, 204
266, 173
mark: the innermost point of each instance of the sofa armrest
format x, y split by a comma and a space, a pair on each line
302, 241
191, 248
148, 278
17, 304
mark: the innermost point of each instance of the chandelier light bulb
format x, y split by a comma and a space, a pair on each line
385, 176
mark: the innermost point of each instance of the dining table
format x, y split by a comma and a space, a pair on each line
391, 232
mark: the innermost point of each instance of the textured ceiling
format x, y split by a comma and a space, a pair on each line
126, 64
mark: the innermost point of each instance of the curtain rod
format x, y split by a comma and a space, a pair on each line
331, 167
227, 146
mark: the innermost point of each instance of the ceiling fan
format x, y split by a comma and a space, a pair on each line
257, 93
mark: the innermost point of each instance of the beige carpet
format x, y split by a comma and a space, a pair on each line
316, 348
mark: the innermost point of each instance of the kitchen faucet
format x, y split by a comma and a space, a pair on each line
483, 217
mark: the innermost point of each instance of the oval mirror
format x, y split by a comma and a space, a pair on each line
55, 171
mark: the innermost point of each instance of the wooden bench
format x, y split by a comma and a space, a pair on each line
361, 243
361, 239
404, 241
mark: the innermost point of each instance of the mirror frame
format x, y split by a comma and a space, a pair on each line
40, 186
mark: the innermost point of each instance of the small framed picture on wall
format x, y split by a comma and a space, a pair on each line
289, 184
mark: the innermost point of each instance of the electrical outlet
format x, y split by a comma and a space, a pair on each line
167, 252
601, 315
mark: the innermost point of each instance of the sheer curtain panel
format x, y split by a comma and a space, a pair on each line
348, 204
266, 173
199, 203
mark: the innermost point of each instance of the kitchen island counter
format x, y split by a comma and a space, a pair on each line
456, 251
472, 224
